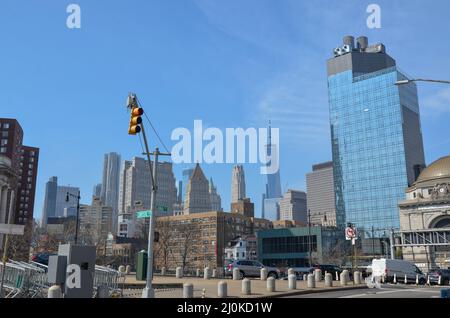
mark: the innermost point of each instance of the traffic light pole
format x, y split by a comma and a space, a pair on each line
148, 291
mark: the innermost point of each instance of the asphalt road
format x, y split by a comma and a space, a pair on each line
387, 291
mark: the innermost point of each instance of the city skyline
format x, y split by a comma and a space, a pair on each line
288, 56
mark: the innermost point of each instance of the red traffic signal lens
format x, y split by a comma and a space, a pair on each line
137, 111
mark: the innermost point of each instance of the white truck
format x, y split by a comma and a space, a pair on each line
388, 268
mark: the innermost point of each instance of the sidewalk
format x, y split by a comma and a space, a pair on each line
171, 287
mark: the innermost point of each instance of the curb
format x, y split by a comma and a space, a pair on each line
313, 291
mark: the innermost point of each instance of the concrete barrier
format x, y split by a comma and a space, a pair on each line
246, 286
207, 273
291, 271
179, 272
263, 273
128, 269
188, 291
214, 273
292, 282
236, 274
344, 278
197, 272
337, 276
305, 277
357, 278
311, 281
271, 284
318, 275
122, 269
54, 292
328, 280
163, 271
222, 289
102, 291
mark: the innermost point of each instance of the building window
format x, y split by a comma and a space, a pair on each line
32, 153
5, 134
2, 149
30, 166
4, 142
6, 126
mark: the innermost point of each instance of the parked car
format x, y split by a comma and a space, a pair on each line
388, 267
249, 268
41, 258
435, 273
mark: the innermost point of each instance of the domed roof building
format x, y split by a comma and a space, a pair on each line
425, 217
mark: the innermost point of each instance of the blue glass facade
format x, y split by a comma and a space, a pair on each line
376, 145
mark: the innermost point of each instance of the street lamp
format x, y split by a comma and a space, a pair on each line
408, 81
309, 237
78, 211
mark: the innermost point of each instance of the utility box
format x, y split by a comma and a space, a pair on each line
84, 257
141, 265
56, 273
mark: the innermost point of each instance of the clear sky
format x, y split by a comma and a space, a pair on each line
233, 63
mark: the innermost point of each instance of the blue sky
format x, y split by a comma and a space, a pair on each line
234, 63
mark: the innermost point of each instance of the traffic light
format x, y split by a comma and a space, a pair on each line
135, 121
156, 237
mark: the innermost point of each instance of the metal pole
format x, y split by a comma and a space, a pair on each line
6, 244
78, 218
309, 237
148, 291
392, 244
373, 242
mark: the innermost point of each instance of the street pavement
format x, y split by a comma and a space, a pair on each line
386, 291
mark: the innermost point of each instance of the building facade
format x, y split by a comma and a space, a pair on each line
244, 207
135, 186
97, 191
110, 184
216, 200
320, 194
271, 209
376, 135
198, 240
23, 163
425, 218
95, 222
198, 198
238, 184
293, 206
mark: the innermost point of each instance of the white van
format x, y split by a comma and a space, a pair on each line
388, 267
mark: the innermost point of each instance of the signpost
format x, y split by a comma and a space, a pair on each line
351, 234
144, 214
12, 229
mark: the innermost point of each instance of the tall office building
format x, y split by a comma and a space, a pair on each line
135, 187
97, 191
187, 173
320, 194
216, 200
66, 205
376, 135
49, 207
271, 198
95, 222
198, 199
180, 192
22, 161
293, 206
110, 184
238, 184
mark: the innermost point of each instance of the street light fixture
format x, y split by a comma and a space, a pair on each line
408, 81
78, 211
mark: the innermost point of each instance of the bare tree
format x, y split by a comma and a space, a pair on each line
165, 242
188, 236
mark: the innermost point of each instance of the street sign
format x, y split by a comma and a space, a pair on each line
350, 233
12, 229
144, 214
162, 208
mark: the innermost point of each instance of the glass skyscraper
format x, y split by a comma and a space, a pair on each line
376, 135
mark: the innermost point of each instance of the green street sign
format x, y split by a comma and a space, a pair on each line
162, 208
144, 214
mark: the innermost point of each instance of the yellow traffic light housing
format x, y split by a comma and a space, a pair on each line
135, 121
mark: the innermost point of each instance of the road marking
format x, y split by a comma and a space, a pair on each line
391, 292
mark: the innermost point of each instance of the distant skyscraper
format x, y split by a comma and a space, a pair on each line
197, 193
97, 191
95, 222
135, 187
66, 208
376, 136
110, 184
320, 194
180, 192
238, 184
293, 206
271, 198
49, 208
187, 173
216, 201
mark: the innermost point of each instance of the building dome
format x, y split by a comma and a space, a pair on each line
437, 170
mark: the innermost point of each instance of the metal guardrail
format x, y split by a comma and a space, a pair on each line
24, 280
110, 278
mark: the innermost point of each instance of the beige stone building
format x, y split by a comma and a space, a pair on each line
425, 217
199, 240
